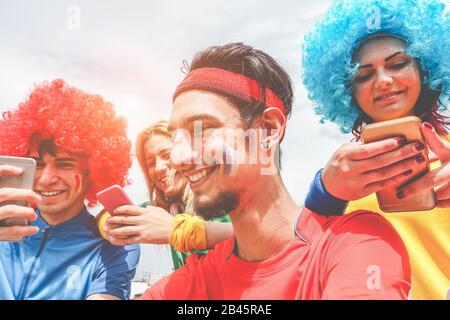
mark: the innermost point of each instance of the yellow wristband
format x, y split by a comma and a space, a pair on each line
188, 233
101, 221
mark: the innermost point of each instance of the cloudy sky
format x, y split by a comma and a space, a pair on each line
131, 52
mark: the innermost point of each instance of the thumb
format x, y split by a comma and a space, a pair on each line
439, 146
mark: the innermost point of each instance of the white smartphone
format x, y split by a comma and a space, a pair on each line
23, 181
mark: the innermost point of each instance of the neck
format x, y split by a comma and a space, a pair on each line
264, 220
64, 216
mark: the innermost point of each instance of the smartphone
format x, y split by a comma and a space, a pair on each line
113, 197
23, 181
410, 128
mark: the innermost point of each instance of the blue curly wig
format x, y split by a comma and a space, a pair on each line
328, 50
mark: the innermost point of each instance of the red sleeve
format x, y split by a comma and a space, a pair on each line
366, 259
186, 283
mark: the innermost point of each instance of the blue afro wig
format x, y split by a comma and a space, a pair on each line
328, 49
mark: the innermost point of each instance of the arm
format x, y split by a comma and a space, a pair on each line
217, 232
131, 225
366, 259
319, 200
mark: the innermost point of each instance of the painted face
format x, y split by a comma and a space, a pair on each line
61, 181
387, 84
217, 185
157, 158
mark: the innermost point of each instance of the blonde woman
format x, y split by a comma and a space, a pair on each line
168, 216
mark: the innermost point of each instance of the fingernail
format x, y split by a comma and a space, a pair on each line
407, 173
428, 125
400, 140
419, 146
420, 159
400, 195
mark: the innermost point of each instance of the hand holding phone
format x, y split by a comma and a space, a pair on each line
16, 182
410, 129
113, 197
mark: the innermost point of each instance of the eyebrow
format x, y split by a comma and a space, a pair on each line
65, 160
57, 159
385, 59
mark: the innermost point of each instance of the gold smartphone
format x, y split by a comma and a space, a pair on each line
410, 128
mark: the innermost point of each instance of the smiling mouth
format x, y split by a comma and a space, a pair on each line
388, 95
198, 177
49, 194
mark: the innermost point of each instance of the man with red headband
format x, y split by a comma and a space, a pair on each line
80, 147
280, 250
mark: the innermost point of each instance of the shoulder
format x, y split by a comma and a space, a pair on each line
363, 224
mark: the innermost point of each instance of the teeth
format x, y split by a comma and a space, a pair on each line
50, 193
198, 176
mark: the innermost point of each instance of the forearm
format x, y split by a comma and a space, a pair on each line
217, 232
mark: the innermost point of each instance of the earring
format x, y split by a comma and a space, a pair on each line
265, 145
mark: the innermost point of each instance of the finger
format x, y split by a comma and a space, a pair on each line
13, 211
126, 241
16, 233
125, 231
428, 181
8, 170
129, 210
124, 220
438, 145
109, 235
443, 192
13, 194
116, 241
361, 151
443, 203
111, 227
391, 157
391, 182
404, 167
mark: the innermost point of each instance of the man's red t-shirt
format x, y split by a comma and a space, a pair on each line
356, 256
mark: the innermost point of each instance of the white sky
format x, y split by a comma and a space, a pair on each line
130, 52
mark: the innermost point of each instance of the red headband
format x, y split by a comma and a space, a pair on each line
228, 83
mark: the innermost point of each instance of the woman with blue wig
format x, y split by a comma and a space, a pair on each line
371, 61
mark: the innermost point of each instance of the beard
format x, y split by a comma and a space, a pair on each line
217, 208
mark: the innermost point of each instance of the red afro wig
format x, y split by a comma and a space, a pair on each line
77, 121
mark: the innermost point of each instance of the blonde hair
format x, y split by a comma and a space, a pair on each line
156, 196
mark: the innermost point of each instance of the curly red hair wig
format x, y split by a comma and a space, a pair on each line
77, 121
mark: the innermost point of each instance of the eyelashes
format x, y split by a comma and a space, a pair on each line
395, 66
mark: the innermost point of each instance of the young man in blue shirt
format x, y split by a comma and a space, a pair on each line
80, 147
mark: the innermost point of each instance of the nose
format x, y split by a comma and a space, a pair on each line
182, 156
48, 175
383, 80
